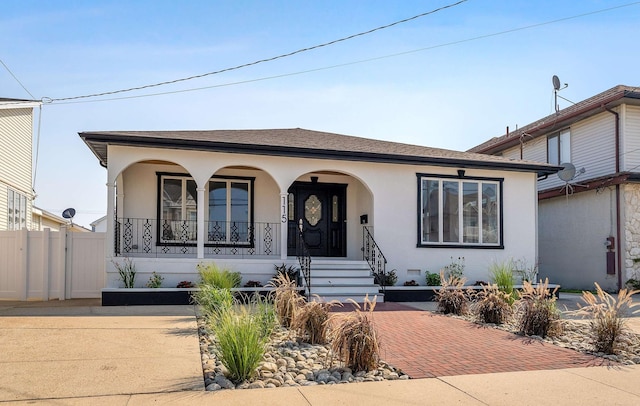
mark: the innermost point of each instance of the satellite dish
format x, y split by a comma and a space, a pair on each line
556, 82
69, 213
568, 172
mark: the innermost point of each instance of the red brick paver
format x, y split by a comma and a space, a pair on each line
425, 345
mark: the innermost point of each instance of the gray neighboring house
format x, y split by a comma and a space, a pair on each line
589, 223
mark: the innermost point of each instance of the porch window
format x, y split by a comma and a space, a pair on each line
559, 148
16, 210
457, 212
230, 211
179, 209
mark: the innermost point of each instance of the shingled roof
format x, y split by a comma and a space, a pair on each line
297, 142
565, 117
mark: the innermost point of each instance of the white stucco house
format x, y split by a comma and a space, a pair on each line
237, 197
590, 222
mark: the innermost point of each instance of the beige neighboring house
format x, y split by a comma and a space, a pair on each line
238, 197
589, 215
16, 139
99, 225
42, 219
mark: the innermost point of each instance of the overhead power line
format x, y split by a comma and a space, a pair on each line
17, 80
258, 61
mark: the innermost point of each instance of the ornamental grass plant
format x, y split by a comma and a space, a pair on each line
311, 321
354, 338
213, 301
608, 324
536, 310
211, 274
501, 274
492, 305
451, 297
286, 298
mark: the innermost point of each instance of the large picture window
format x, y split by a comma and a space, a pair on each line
228, 210
16, 210
459, 212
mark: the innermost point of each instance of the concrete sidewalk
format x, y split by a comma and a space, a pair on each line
79, 353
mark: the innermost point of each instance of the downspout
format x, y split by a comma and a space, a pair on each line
618, 225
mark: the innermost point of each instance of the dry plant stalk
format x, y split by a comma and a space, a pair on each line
451, 297
286, 298
311, 320
492, 305
537, 313
608, 318
354, 338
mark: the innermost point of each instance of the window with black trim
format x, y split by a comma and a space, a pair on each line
459, 211
559, 147
228, 210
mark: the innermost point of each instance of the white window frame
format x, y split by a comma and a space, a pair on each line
16, 202
185, 215
228, 181
461, 226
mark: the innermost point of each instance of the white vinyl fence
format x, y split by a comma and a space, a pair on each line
44, 265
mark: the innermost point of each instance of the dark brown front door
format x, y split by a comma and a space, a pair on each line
321, 207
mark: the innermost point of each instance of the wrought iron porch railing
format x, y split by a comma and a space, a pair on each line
304, 259
155, 238
372, 253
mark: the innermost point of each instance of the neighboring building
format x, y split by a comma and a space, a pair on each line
178, 198
42, 219
100, 225
16, 189
589, 225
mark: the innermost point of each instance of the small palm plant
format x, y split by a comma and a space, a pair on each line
354, 338
608, 317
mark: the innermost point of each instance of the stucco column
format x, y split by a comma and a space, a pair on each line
111, 198
200, 223
284, 219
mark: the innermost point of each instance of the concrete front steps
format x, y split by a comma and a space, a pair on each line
339, 279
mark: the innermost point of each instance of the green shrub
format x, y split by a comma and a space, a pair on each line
492, 305
608, 317
354, 338
433, 279
155, 280
501, 274
211, 274
241, 342
536, 310
126, 272
451, 297
291, 271
388, 279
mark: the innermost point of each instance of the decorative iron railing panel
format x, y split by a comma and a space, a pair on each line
164, 238
304, 259
372, 253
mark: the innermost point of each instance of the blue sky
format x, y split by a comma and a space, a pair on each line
403, 83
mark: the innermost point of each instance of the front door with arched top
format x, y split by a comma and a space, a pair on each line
322, 209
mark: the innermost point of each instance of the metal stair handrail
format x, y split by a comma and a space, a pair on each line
372, 253
304, 259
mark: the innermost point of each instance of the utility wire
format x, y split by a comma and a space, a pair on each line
17, 80
259, 61
509, 31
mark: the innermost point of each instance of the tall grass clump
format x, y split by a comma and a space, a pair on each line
311, 321
241, 342
211, 274
537, 313
212, 300
286, 298
501, 274
492, 305
262, 308
451, 297
608, 318
354, 338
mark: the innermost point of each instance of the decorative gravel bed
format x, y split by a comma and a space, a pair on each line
288, 362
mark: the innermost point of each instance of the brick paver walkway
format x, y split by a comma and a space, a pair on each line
425, 345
